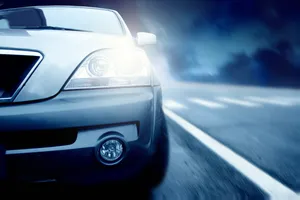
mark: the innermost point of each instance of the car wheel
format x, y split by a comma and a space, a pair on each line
156, 170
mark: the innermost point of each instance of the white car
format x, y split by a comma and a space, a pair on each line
79, 102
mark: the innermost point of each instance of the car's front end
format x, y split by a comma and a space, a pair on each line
57, 139
77, 106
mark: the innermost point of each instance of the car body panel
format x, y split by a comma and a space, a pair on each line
82, 109
129, 111
61, 56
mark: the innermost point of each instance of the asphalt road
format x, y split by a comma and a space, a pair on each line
261, 125
260, 156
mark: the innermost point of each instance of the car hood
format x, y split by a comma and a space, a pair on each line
63, 51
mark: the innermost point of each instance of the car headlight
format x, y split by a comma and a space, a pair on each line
112, 68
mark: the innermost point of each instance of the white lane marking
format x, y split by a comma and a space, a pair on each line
272, 187
238, 102
173, 104
270, 101
288, 98
209, 104
292, 100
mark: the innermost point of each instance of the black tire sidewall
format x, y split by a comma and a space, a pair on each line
157, 168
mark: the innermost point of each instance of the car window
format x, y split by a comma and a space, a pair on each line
86, 19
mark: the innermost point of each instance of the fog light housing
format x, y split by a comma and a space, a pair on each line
110, 151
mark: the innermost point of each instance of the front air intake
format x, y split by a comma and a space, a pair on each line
15, 69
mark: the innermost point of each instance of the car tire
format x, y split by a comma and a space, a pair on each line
156, 170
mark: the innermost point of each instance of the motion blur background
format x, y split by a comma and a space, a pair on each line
248, 42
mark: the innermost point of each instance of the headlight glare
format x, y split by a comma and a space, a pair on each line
112, 68
98, 67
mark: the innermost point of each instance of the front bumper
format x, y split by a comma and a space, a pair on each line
132, 112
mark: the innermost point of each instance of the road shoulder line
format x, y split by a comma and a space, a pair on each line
272, 187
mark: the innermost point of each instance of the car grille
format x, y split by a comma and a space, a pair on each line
15, 69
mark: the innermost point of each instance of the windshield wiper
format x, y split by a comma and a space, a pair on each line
47, 28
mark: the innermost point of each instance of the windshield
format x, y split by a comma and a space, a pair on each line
66, 18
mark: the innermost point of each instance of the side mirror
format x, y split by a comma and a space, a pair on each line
4, 24
144, 38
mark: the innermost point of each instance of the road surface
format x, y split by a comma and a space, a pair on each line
259, 125
228, 142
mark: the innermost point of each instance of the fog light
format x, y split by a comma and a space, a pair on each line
111, 150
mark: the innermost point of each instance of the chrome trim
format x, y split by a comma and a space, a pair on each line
106, 87
21, 53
